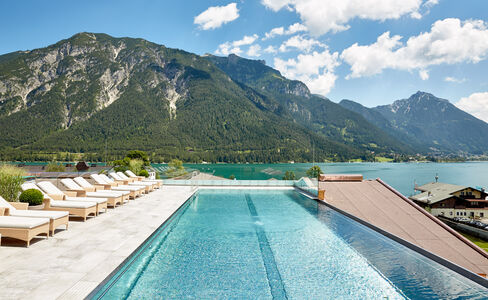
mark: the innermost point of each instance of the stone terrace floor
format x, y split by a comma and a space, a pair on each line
73, 262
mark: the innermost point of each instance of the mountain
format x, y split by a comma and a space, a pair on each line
428, 123
319, 114
92, 92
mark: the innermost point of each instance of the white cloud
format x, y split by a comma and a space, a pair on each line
424, 74
316, 70
216, 16
454, 79
246, 40
270, 49
274, 32
416, 15
321, 16
476, 104
234, 47
431, 2
450, 41
300, 43
254, 50
292, 29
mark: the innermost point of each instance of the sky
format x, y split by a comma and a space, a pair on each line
369, 51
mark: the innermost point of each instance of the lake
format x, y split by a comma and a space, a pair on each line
399, 175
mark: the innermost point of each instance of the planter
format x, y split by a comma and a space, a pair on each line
36, 207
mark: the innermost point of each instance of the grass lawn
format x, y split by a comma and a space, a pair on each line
481, 243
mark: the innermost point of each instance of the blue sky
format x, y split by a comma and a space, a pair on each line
348, 57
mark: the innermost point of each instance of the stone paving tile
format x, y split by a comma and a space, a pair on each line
73, 262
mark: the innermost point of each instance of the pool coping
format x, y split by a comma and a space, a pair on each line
100, 285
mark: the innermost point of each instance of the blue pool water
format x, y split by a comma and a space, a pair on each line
277, 244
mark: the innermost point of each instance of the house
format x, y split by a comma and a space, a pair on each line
449, 200
377, 205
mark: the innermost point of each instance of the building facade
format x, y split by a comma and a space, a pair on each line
448, 200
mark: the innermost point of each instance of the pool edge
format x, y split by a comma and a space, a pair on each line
97, 289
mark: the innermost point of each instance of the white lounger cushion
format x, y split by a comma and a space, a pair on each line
140, 183
39, 214
107, 180
85, 199
72, 204
83, 183
50, 188
21, 222
71, 185
4, 203
103, 195
117, 177
32, 213
32, 185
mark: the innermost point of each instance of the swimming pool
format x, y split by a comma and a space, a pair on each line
276, 244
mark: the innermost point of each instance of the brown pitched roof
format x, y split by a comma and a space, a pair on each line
380, 205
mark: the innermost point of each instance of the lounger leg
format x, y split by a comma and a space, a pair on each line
28, 244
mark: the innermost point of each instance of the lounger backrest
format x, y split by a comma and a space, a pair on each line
82, 182
130, 173
4, 203
71, 185
122, 175
106, 178
49, 188
115, 176
98, 179
31, 185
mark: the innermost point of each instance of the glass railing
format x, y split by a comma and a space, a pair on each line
276, 183
308, 185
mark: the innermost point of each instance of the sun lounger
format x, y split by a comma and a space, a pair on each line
56, 218
77, 208
142, 178
112, 199
82, 182
140, 188
117, 177
57, 194
134, 191
22, 228
148, 187
155, 184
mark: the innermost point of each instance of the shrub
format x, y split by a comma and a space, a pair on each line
11, 179
31, 196
314, 172
55, 167
289, 175
144, 173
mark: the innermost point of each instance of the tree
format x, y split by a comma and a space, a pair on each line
314, 172
137, 154
175, 168
289, 175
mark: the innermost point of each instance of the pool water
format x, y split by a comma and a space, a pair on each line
277, 244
